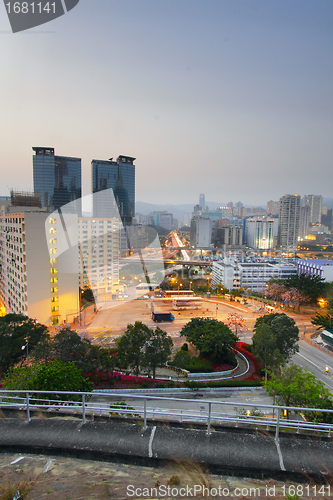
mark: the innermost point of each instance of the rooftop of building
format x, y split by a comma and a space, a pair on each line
318, 263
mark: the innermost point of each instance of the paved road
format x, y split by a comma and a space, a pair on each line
316, 360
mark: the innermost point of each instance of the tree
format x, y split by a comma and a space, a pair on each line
235, 321
211, 337
284, 331
55, 376
157, 350
17, 330
322, 321
311, 286
287, 335
297, 386
68, 347
265, 349
131, 345
275, 290
295, 297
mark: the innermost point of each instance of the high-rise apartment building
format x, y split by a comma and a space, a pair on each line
119, 176
315, 202
57, 179
289, 217
201, 232
34, 277
261, 232
273, 207
304, 223
99, 254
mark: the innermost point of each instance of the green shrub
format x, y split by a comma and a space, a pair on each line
197, 365
181, 359
184, 347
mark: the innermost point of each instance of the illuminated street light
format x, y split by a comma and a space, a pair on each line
26, 346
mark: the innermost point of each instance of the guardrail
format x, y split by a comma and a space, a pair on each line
177, 410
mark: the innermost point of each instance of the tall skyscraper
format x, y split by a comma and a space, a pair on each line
57, 179
314, 201
119, 176
289, 216
202, 201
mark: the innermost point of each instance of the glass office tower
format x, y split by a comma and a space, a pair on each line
57, 179
119, 176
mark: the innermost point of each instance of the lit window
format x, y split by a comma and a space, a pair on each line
54, 289
54, 270
52, 221
53, 241
54, 299
54, 280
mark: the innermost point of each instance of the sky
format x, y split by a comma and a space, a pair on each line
230, 98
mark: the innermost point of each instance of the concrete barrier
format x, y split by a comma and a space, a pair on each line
228, 450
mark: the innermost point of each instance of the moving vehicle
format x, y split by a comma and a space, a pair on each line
162, 316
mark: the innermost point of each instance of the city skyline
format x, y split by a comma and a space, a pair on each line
230, 99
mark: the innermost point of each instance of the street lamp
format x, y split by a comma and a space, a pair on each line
179, 284
190, 284
26, 346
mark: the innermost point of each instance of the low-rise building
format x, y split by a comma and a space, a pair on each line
248, 275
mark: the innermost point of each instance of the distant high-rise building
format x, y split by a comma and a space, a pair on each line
119, 176
261, 232
57, 179
201, 232
273, 207
289, 216
304, 222
315, 202
202, 201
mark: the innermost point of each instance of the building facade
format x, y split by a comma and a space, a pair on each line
99, 255
34, 279
200, 232
261, 232
289, 218
316, 267
57, 179
248, 275
119, 176
315, 203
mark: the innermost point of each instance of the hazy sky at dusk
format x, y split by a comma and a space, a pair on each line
232, 98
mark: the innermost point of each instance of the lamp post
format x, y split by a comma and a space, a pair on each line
179, 284
26, 346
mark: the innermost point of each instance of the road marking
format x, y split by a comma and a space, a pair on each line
150, 445
282, 467
298, 354
17, 460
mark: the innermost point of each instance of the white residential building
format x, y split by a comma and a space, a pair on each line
261, 232
99, 251
252, 275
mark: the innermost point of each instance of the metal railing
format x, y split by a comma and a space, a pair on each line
143, 407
